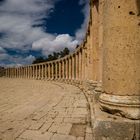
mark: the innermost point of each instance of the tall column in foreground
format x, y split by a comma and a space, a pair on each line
121, 58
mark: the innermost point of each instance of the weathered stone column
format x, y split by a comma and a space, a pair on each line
49, 71
45, 71
77, 66
22, 72
121, 58
56, 70
63, 69
10, 72
80, 65
73, 67
33, 71
36, 72
17, 72
25, 71
52, 71
67, 68
7, 72
70, 68
83, 64
28, 72
59, 63
42, 71
20, 69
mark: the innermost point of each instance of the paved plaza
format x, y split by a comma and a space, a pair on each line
42, 110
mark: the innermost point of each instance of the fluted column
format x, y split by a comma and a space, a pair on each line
121, 59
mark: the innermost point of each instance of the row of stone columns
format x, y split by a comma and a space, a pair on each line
68, 68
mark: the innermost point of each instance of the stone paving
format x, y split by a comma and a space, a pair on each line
42, 110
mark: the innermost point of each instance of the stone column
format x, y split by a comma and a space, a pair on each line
33, 71
80, 65
70, 67
28, 71
52, 71
42, 71
59, 63
67, 68
56, 71
45, 71
73, 67
121, 58
18, 72
63, 69
36, 72
83, 64
7, 72
25, 71
49, 75
77, 66
10, 72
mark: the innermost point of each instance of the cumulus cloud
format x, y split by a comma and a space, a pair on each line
15, 60
57, 43
80, 33
18, 19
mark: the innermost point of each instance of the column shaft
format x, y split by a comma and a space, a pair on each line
121, 66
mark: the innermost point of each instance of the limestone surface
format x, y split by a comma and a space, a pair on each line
42, 110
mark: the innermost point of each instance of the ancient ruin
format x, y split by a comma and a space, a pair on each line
105, 66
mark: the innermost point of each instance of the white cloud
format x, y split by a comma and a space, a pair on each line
80, 33
16, 20
57, 43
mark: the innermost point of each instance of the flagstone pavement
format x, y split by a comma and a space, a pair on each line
42, 110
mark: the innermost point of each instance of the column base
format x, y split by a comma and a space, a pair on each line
110, 127
125, 106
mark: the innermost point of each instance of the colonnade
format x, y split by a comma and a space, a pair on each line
67, 68
110, 53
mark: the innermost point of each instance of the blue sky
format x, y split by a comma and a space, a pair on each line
31, 28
